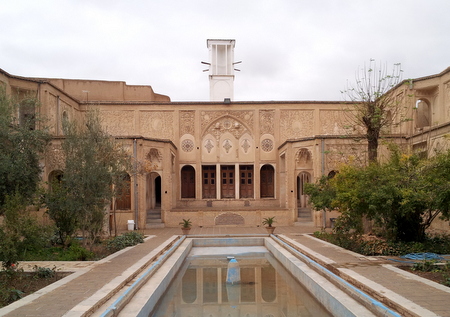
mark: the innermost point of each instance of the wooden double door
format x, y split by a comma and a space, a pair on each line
228, 181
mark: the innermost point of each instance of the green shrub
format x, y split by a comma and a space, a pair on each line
9, 295
44, 272
358, 244
77, 253
127, 239
425, 266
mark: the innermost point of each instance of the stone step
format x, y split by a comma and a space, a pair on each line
304, 223
154, 225
158, 220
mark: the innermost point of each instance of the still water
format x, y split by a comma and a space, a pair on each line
265, 289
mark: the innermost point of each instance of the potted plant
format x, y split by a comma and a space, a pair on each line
268, 223
186, 225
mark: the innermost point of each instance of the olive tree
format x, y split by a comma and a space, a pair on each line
21, 147
94, 161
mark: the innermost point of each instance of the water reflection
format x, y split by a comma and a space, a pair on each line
266, 289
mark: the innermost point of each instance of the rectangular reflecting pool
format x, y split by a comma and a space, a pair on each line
192, 279
266, 288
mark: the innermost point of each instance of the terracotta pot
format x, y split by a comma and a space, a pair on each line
270, 230
185, 230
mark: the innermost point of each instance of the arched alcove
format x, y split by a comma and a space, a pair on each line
188, 182
423, 113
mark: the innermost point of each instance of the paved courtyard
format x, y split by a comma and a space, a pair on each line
406, 293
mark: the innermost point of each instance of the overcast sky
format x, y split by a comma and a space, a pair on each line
290, 49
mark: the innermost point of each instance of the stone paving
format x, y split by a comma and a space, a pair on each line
378, 276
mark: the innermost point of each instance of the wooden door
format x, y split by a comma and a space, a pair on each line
209, 181
187, 182
227, 177
267, 181
246, 181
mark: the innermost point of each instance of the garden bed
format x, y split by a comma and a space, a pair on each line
16, 284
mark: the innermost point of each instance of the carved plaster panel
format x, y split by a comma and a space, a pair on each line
208, 117
332, 122
209, 145
267, 145
338, 154
227, 145
246, 145
187, 122
118, 122
152, 161
303, 158
439, 144
296, 123
227, 124
266, 122
55, 158
154, 155
157, 124
187, 145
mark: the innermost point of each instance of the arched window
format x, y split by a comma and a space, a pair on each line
332, 174
123, 200
267, 181
187, 182
54, 178
423, 118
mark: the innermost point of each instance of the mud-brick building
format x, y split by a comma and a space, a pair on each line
227, 162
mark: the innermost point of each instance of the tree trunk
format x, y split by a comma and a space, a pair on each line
372, 149
373, 134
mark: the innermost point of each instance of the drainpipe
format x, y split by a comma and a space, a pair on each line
136, 200
322, 145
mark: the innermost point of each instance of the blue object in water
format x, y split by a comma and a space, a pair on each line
233, 272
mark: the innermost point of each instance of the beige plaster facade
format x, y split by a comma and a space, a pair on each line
226, 162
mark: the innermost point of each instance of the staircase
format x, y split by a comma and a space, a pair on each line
304, 217
154, 218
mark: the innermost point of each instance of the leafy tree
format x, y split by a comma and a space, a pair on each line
63, 210
375, 105
20, 147
402, 196
93, 162
437, 178
20, 231
321, 193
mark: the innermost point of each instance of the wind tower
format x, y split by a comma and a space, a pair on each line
221, 69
